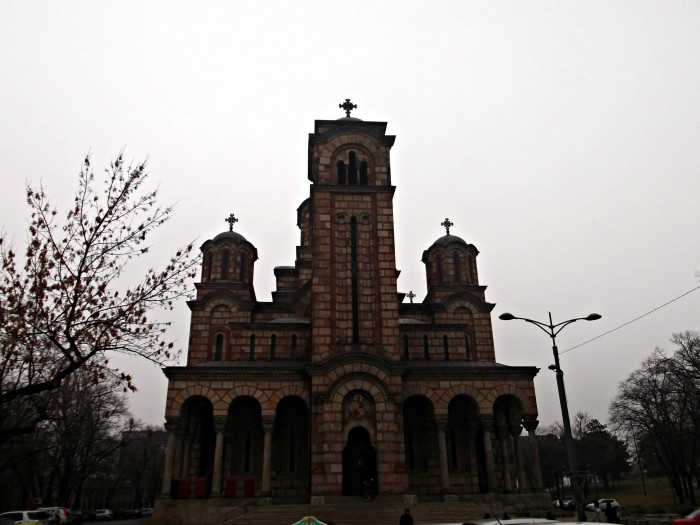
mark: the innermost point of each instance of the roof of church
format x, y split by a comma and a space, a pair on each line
447, 239
234, 236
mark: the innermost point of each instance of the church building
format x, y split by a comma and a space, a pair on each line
340, 381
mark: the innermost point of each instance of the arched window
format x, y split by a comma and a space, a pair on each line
242, 272
467, 347
251, 352
455, 265
218, 347
426, 348
352, 169
273, 347
342, 176
439, 269
208, 271
446, 347
224, 265
405, 348
294, 347
364, 179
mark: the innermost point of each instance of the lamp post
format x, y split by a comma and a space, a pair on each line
552, 330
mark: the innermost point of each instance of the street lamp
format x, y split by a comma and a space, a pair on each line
552, 330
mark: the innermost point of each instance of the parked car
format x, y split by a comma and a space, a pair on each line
604, 503
145, 512
691, 519
511, 521
565, 504
62, 514
26, 516
104, 515
78, 517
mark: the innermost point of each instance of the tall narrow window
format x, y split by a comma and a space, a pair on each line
208, 272
224, 265
294, 347
426, 348
446, 347
405, 348
352, 169
219, 347
243, 268
342, 176
439, 269
354, 279
455, 265
363, 173
273, 347
251, 352
467, 347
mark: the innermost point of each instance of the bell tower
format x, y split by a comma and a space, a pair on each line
352, 235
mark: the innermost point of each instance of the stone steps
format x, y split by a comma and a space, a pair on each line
357, 512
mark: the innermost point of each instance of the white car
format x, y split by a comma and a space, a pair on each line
602, 503
26, 516
509, 521
104, 515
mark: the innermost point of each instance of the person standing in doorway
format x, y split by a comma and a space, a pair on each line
406, 518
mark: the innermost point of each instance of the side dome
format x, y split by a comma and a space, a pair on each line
231, 235
228, 257
447, 239
450, 260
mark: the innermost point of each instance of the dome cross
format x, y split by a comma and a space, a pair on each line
347, 106
446, 223
231, 219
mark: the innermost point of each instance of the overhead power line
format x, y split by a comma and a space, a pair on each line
632, 321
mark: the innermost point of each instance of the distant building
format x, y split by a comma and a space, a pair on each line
339, 380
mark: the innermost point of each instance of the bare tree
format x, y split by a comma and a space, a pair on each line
67, 307
658, 404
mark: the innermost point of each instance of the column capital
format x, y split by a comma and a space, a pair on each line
220, 424
268, 423
170, 424
487, 422
442, 422
530, 423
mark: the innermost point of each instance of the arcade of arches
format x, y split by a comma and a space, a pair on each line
339, 380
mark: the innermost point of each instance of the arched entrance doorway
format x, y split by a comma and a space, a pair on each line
359, 461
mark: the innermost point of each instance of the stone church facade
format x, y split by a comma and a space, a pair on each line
339, 380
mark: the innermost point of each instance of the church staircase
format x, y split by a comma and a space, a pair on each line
354, 511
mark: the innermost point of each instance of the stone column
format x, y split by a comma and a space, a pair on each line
517, 454
216, 482
503, 435
530, 423
442, 445
488, 452
168, 466
268, 425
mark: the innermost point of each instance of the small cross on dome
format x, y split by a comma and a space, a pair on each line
347, 106
410, 295
446, 223
231, 219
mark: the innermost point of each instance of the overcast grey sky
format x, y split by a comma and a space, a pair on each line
561, 138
